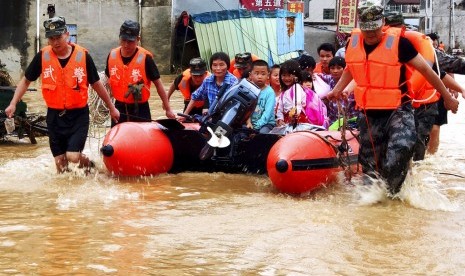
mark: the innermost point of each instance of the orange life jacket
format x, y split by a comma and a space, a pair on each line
237, 74
318, 68
121, 76
441, 46
64, 88
185, 87
423, 91
377, 76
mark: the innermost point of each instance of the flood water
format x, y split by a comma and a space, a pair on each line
225, 224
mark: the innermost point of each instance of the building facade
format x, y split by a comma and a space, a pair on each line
94, 24
448, 19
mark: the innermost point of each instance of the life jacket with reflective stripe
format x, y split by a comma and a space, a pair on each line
122, 76
64, 88
185, 88
377, 76
423, 91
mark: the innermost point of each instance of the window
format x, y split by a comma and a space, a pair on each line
328, 14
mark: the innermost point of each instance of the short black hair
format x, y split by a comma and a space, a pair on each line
337, 61
260, 62
306, 61
275, 66
221, 56
327, 47
306, 76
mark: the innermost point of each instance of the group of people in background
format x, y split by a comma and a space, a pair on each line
368, 79
295, 100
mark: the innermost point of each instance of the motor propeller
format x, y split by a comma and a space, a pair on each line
218, 140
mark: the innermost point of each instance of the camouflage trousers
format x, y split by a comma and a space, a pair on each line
386, 145
425, 116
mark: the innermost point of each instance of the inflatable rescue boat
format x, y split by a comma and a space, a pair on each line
296, 163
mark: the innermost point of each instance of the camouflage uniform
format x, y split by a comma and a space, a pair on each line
425, 116
449, 63
386, 145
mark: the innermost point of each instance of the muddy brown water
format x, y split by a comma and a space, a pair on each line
225, 224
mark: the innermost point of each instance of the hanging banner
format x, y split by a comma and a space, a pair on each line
295, 6
347, 16
257, 5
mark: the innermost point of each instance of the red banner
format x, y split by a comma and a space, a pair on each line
256, 5
295, 6
347, 16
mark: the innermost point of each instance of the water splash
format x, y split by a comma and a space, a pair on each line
75, 196
369, 190
423, 190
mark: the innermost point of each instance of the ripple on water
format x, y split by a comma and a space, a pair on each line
102, 268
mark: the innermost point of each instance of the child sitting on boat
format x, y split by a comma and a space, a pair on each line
336, 67
275, 85
296, 104
262, 119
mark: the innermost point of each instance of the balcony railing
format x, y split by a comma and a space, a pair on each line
405, 9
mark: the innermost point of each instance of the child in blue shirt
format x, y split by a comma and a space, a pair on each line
263, 118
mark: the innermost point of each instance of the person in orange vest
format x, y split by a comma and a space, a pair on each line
189, 81
425, 96
242, 65
451, 65
326, 52
131, 70
441, 46
376, 61
66, 70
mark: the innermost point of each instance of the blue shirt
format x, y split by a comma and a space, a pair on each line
264, 111
209, 89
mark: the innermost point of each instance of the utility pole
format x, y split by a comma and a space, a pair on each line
451, 26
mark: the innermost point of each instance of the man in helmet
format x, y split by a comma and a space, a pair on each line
131, 70
376, 61
189, 81
242, 65
66, 70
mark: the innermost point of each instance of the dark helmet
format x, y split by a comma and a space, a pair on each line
198, 66
242, 60
394, 18
55, 26
433, 36
370, 15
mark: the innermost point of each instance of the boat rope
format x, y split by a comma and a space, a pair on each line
452, 174
343, 148
98, 112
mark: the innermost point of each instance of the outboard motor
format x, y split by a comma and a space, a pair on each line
229, 112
